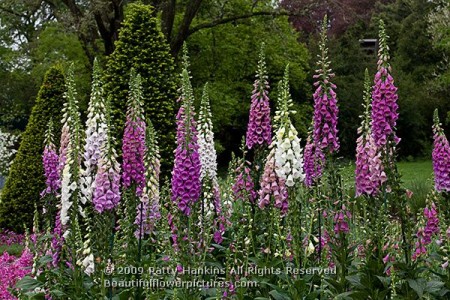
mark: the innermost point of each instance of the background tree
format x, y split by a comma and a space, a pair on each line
26, 179
414, 61
342, 14
97, 22
230, 72
439, 29
141, 45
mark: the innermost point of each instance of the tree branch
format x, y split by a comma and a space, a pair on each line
240, 17
189, 14
168, 17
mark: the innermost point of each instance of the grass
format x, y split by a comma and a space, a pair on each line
14, 249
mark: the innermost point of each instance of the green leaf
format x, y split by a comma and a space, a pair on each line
386, 281
278, 296
434, 286
27, 283
416, 287
45, 259
57, 293
217, 246
35, 295
355, 281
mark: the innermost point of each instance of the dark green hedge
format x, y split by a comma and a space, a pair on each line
26, 177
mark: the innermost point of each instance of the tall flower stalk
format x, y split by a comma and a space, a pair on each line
284, 165
70, 157
50, 160
288, 153
314, 161
187, 167
384, 119
96, 134
133, 174
384, 95
150, 213
369, 170
133, 148
259, 129
133, 166
211, 202
325, 102
441, 157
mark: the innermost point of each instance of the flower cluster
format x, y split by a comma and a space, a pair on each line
208, 174
259, 127
186, 184
220, 221
206, 150
325, 246
7, 141
50, 160
425, 234
341, 218
63, 146
106, 194
384, 95
133, 148
325, 102
69, 154
243, 186
150, 210
369, 171
8, 237
272, 184
57, 240
12, 269
314, 162
441, 157
288, 154
384, 108
106, 186
96, 134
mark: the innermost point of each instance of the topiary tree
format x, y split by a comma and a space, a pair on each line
142, 46
26, 177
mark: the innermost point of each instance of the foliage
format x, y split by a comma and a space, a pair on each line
142, 46
438, 27
414, 62
55, 45
344, 14
214, 60
26, 177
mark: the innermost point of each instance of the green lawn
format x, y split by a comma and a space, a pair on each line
12, 249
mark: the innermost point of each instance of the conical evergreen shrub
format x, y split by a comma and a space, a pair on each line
26, 178
141, 45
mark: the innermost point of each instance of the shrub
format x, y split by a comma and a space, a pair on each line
26, 176
142, 46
